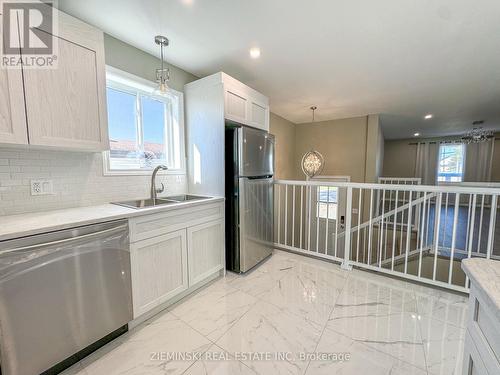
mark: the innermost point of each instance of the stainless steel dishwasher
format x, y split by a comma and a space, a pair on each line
61, 292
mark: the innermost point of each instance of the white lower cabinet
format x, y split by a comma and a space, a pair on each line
174, 251
482, 339
159, 270
205, 242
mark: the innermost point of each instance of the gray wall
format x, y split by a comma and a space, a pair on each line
135, 61
400, 157
284, 131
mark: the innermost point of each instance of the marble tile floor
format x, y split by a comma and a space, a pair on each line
295, 315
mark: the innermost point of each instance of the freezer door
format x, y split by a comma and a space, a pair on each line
256, 221
256, 152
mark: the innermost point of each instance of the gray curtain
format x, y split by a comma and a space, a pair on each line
426, 162
478, 161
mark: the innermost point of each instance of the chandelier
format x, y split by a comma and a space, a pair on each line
312, 163
477, 134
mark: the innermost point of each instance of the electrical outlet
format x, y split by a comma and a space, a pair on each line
42, 187
36, 187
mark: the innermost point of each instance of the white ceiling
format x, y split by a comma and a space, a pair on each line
400, 58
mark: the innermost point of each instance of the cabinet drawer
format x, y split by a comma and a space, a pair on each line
157, 224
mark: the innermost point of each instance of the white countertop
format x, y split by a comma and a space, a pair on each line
485, 275
15, 226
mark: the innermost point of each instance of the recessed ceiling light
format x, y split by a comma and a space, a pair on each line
255, 53
416, 135
428, 116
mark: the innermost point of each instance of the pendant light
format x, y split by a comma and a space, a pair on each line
312, 162
162, 74
313, 108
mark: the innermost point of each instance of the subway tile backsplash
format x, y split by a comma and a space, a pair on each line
77, 177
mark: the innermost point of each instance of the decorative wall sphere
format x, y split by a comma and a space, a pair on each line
312, 163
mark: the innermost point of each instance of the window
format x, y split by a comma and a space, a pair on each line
451, 162
145, 129
327, 202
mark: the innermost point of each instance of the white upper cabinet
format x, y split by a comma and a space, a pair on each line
211, 102
66, 106
12, 115
236, 105
61, 107
240, 103
244, 105
259, 115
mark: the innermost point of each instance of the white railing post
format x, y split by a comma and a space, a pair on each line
346, 264
491, 229
437, 223
278, 187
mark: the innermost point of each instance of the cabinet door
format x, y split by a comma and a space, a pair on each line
235, 105
12, 115
66, 106
159, 270
205, 250
259, 115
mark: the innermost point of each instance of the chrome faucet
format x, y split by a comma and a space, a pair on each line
154, 190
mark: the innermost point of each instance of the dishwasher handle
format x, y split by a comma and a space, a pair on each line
68, 240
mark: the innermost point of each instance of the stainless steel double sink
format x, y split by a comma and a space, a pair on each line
147, 203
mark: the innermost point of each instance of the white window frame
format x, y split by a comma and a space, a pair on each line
123, 81
328, 179
464, 157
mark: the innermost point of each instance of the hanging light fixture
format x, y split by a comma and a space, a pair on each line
162, 74
312, 161
477, 134
313, 108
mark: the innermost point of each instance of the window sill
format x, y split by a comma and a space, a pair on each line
449, 183
175, 172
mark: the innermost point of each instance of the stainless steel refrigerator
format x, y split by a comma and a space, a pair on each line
249, 159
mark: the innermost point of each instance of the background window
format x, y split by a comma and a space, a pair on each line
145, 129
451, 163
327, 202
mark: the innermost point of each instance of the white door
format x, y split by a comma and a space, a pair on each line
159, 270
205, 250
327, 216
66, 106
